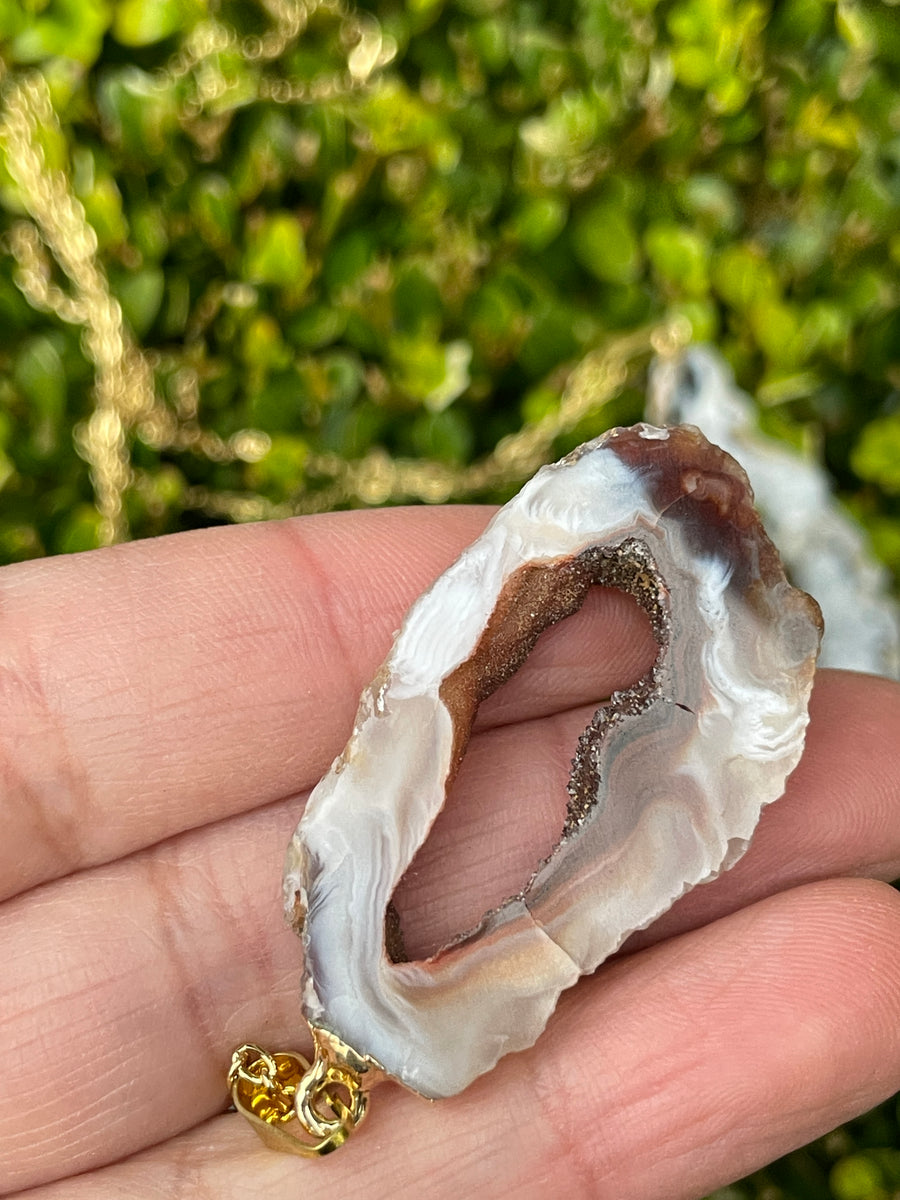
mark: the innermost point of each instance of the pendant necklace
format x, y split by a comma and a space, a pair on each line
667, 784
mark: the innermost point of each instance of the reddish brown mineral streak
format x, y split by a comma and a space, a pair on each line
534, 598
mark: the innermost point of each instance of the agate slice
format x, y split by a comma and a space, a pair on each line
667, 782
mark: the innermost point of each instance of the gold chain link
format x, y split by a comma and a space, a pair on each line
302, 1108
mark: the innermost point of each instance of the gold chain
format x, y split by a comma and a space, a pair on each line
123, 389
125, 399
368, 49
298, 1107
379, 478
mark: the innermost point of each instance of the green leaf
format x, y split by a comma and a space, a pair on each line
428, 371
7, 469
490, 40
876, 456
141, 116
347, 259
567, 128
280, 403
13, 18
395, 119
147, 223
538, 221
827, 325
140, 293
702, 315
343, 374
418, 304
712, 201
262, 344
316, 326
279, 472
351, 431
66, 28
743, 276
40, 375
215, 209
550, 338
780, 334
102, 202
694, 66
78, 530
142, 22
605, 242
680, 256
445, 436
857, 1177
275, 251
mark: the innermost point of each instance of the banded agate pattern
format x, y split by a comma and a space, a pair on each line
668, 780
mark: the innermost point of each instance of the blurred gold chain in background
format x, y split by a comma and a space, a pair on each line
126, 403
123, 387
379, 478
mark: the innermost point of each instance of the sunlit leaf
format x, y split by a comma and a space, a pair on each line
141, 22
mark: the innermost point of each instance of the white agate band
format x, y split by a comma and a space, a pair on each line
668, 781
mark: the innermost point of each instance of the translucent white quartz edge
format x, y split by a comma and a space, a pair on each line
680, 793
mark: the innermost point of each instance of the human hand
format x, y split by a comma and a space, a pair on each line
167, 705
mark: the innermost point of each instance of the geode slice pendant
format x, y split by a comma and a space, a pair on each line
668, 780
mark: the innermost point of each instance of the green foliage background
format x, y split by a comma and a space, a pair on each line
339, 233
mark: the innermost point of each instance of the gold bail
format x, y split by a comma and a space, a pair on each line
298, 1107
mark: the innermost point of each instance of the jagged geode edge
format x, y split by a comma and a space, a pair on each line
682, 763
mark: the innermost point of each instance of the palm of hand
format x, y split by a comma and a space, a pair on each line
165, 705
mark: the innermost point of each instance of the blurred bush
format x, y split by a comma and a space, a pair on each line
248, 244
273, 257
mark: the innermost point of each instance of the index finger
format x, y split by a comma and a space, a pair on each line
157, 686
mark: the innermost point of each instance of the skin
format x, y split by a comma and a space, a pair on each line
167, 705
